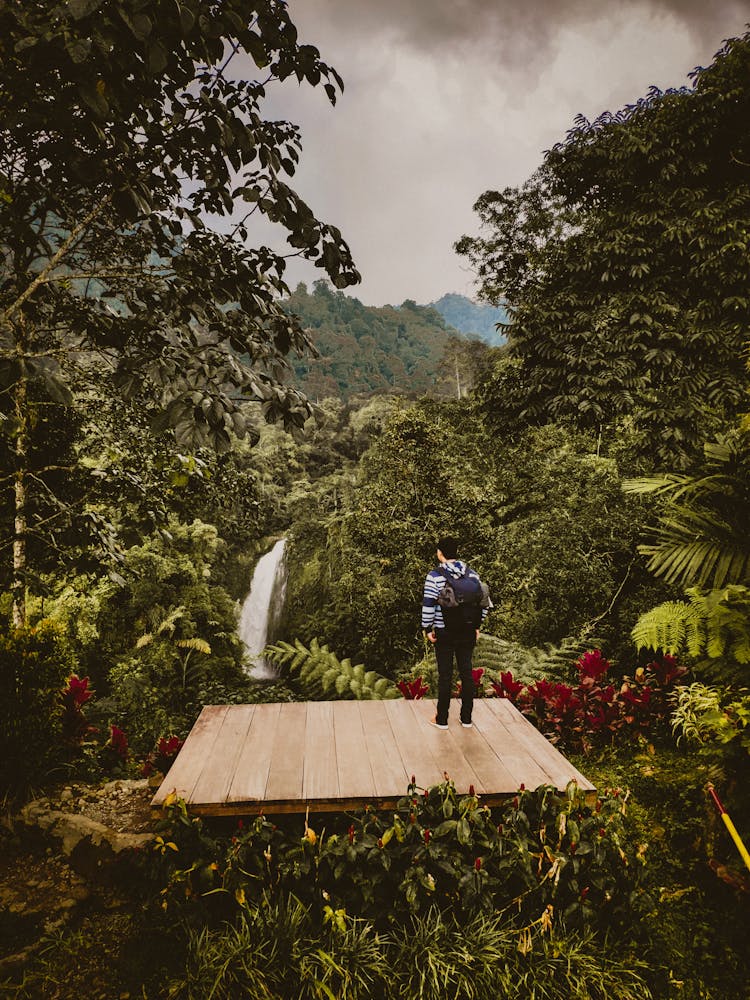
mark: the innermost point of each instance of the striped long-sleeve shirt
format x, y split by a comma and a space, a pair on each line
432, 613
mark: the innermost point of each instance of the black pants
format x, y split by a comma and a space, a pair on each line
447, 646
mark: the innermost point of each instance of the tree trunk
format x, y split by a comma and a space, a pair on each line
20, 526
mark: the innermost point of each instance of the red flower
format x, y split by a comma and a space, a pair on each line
169, 746
593, 664
471, 790
427, 836
542, 692
477, 674
351, 834
118, 741
162, 758
477, 864
666, 670
77, 692
507, 686
413, 690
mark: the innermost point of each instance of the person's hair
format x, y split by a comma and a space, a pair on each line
448, 545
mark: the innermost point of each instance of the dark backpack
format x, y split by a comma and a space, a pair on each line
461, 600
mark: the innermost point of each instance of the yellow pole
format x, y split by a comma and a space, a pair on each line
730, 826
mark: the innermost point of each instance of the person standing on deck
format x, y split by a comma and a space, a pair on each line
453, 631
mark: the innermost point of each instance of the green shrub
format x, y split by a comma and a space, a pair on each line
33, 671
543, 848
691, 925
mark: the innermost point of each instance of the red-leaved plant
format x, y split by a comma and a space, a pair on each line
73, 697
413, 690
477, 675
162, 756
593, 711
118, 741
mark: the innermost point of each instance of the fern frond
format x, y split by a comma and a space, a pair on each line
341, 684
281, 653
671, 627
322, 675
198, 645
168, 625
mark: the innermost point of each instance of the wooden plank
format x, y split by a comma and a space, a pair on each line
216, 777
250, 776
288, 754
445, 747
493, 775
320, 779
516, 759
352, 761
549, 758
195, 753
416, 757
388, 771
339, 756
537, 746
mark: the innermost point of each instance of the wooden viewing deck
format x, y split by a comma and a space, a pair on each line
338, 755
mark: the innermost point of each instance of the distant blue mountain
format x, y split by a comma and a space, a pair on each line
471, 318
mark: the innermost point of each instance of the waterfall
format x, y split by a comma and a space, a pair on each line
262, 608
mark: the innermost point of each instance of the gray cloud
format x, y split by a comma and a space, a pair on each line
515, 29
446, 98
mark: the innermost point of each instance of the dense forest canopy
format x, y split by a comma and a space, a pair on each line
107, 261
623, 265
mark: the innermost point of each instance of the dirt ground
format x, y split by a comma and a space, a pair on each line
62, 928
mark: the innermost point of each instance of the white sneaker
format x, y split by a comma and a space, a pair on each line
434, 722
468, 725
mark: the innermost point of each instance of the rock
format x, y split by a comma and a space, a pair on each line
88, 844
17, 961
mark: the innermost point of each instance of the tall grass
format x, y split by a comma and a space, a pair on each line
279, 951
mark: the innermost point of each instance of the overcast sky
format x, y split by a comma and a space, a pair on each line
445, 99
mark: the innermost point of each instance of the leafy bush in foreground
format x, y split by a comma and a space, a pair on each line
544, 852
33, 670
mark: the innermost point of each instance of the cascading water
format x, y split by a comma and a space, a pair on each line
262, 608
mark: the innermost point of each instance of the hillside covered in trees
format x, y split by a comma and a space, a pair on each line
478, 319
365, 349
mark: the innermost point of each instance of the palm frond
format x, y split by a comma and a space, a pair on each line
703, 538
695, 546
671, 483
